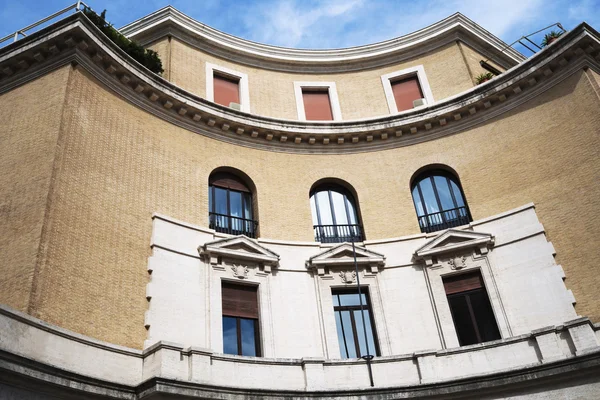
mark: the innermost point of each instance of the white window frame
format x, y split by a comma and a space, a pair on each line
243, 84
417, 71
334, 101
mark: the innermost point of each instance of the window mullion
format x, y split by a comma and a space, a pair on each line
317, 209
437, 199
473, 319
238, 328
355, 334
452, 193
333, 219
343, 330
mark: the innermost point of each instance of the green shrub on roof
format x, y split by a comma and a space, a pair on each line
148, 58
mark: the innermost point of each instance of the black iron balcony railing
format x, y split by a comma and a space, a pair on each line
232, 225
338, 233
444, 219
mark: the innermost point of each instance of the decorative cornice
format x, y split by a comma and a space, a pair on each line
341, 256
170, 21
452, 241
74, 39
240, 248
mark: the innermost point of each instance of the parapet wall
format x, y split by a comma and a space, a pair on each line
45, 359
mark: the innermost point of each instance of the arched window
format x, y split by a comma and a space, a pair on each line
230, 205
439, 201
334, 213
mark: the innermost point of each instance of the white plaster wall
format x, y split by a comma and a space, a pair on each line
444, 366
410, 311
279, 376
296, 327
177, 306
68, 351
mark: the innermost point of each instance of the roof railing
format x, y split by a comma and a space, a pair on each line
521, 40
15, 36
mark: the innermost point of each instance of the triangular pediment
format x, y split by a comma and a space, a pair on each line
454, 240
240, 247
342, 254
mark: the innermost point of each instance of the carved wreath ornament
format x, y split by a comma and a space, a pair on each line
240, 271
458, 262
348, 277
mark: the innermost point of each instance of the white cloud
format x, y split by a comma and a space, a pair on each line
291, 23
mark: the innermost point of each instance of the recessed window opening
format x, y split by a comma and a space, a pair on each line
240, 320
406, 91
230, 205
439, 201
226, 89
317, 101
335, 216
471, 310
317, 105
349, 322
404, 88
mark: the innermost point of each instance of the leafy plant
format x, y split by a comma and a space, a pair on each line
550, 37
148, 58
484, 77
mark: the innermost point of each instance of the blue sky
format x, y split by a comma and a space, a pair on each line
326, 24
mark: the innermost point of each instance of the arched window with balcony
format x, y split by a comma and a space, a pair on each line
439, 200
230, 204
335, 214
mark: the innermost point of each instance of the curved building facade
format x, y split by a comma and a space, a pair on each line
205, 233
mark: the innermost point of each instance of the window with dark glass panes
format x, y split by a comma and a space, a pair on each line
349, 322
240, 319
230, 205
334, 215
439, 201
471, 309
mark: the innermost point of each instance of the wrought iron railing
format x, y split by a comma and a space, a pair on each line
444, 219
338, 233
232, 225
22, 32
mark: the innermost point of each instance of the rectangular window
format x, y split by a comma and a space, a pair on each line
471, 309
226, 90
406, 91
317, 105
240, 319
348, 318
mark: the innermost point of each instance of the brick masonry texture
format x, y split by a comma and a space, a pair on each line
114, 165
30, 117
361, 93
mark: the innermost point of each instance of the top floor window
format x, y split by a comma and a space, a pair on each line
407, 89
317, 106
227, 87
230, 205
334, 213
317, 101
226, 90
439, 201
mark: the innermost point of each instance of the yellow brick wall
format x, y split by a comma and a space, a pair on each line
472, 59
361, 93
30, 118
118, 165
